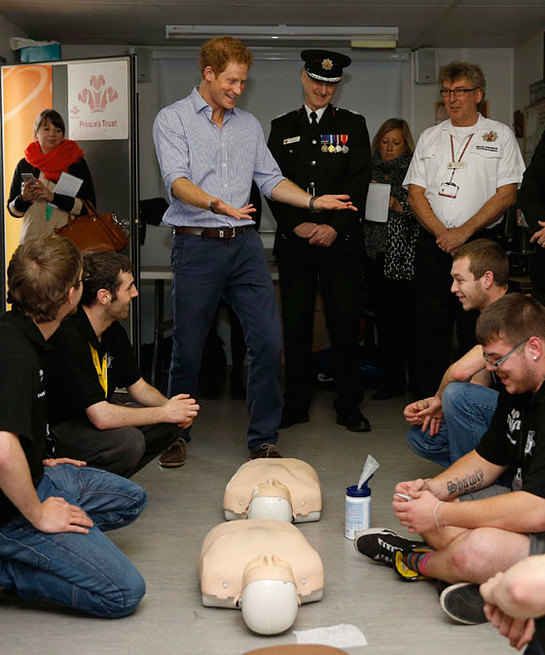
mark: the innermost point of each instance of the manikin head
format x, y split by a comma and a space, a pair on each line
269, 600
271, 500
286, 489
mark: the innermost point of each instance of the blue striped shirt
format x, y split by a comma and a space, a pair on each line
221, 162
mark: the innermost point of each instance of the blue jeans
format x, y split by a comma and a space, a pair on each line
84, 571
467, 413
206, 270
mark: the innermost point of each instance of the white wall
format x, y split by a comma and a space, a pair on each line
528, 65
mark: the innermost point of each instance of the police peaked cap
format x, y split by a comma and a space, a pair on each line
325, 65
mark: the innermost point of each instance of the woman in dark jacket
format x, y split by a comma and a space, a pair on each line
32, 195
390, 251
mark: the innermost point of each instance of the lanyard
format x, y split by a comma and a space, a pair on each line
102, 370
453, 159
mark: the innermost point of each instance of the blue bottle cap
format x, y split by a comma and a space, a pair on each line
354, 492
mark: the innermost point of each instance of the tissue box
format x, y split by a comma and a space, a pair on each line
40, 53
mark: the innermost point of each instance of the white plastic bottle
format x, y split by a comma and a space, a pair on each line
357, 510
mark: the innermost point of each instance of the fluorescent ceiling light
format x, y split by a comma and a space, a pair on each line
354, 36
358, 42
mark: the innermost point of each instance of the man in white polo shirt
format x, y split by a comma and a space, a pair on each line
463, 177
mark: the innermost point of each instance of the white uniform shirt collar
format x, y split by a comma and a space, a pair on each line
447, 125
319, 112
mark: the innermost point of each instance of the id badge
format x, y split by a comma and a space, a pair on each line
449, 190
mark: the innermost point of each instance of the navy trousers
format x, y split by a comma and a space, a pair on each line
206, 270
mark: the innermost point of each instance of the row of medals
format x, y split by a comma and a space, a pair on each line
332, 143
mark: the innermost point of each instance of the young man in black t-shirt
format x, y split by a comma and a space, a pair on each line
493, 529
53, 512
93, 356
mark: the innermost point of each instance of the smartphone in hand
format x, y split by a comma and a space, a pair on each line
29, 177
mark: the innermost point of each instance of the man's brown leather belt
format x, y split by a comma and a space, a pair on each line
213, 232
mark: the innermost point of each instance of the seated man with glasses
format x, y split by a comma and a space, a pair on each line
468, 542
462, 178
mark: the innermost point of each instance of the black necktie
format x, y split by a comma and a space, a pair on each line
313, 118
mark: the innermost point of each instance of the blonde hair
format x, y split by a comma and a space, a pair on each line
40, 274
388, 126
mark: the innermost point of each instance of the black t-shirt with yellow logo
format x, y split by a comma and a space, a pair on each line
86, 371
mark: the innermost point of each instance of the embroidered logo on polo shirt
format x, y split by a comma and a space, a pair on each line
490, 136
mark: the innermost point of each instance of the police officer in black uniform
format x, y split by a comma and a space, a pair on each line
325, 150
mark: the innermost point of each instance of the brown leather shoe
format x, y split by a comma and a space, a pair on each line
174, 455
266, 450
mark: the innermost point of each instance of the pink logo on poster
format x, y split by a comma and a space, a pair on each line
97, 98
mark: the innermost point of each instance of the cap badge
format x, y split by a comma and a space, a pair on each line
327, 64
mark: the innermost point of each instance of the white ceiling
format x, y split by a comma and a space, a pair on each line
422, 23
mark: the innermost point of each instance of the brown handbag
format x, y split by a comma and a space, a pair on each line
94, 232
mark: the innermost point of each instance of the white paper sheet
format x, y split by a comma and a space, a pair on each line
343, 635
378, 199
68, 185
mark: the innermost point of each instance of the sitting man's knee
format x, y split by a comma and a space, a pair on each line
129, 449
468, 555
453, 396
125, 598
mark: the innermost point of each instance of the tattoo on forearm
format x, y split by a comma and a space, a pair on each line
466, 484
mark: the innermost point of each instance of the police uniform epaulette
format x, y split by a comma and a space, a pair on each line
353, 111
280, 115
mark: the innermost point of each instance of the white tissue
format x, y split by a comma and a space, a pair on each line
370, 466
343, 635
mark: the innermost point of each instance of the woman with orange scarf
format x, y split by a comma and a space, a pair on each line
32, 195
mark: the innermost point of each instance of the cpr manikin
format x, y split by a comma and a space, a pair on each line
265, 567
284, 488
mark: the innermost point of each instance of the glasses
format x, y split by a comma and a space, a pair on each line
495, 365
458, 93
